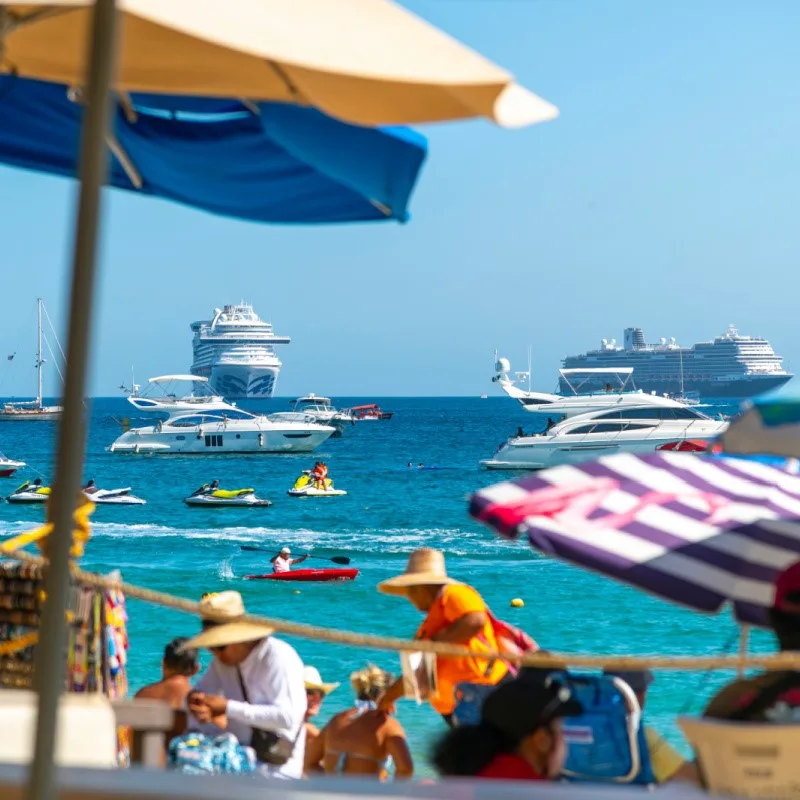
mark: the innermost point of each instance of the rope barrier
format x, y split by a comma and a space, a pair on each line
780, 661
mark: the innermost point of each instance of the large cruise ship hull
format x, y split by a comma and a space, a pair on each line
734, 388
241, 382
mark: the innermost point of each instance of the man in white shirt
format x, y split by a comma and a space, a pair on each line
283, 562
254, 682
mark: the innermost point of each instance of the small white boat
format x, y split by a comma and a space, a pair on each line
8, 466
322, 411
115, 497
226, 497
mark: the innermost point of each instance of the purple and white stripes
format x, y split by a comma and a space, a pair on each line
695, 530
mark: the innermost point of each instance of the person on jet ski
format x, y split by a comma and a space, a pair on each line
319, 475
29, 486
206, 488
283, 562
90, 488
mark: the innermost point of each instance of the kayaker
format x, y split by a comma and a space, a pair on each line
455, 614
362, 740
283, 562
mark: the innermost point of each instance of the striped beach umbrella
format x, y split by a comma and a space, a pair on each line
699, 531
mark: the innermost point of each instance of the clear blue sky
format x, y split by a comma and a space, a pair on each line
666, 196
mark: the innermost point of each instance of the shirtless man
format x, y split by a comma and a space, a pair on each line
177, 670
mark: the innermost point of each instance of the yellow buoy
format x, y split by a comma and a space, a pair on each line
297, 591
517, 602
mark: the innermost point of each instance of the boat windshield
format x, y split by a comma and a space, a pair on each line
211, 418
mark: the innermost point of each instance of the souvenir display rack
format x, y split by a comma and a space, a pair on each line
98, 641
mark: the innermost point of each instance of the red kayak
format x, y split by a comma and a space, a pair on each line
307, 575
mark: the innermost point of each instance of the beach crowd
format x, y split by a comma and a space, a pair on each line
256, 706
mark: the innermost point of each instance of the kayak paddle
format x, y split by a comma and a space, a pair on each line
336, 559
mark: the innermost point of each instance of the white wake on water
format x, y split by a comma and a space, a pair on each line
385, 540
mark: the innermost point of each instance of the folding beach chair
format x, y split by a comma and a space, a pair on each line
606, 744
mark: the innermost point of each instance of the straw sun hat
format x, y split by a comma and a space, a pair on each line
425, 568
313, 681
222, 623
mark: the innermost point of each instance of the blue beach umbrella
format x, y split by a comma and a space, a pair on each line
768, 425
266, 162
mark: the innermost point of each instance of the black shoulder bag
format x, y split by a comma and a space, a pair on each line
752, 711
270, 747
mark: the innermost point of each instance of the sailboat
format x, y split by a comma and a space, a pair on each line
33, 410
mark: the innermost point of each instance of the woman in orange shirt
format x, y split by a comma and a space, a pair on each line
454, 613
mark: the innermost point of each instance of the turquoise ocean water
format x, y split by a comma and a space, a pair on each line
389, 511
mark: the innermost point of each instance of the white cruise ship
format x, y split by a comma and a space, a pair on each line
234, 350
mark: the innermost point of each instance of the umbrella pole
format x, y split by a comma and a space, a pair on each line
744, 641
51, 660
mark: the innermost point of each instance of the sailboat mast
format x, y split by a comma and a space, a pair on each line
39, 352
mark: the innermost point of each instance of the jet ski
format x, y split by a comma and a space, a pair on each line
115, 497
226, 497
29, 493
304, 487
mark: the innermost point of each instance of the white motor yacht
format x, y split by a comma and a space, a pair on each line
619, 391
633, 429
322, 410
203, 422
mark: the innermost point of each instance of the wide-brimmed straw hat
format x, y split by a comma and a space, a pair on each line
313, 681
222, 623
425, 568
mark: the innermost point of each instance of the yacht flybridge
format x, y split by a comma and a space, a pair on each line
200, 421
619, 391
630, 429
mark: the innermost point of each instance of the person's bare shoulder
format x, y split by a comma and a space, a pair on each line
153, 691
391, 726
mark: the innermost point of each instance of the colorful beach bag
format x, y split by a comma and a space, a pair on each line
197, 754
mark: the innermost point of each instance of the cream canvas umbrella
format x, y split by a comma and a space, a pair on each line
365, 61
